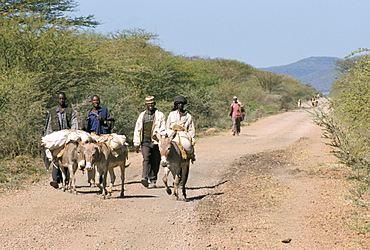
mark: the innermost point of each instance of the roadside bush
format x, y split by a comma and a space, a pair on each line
347, 118
22, 115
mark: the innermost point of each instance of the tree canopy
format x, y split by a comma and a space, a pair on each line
51, 11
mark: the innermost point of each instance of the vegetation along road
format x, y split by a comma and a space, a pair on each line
276, 186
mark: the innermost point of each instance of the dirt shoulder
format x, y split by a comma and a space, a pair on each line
274, 182
293, 198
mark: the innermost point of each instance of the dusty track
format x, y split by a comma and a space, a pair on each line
234, 203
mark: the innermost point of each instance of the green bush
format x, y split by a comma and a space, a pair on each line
347, 118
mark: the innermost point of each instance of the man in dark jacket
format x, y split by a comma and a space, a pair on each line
59, 117
97, 119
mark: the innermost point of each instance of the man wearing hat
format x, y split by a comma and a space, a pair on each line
181, 117
236, 115
149, 122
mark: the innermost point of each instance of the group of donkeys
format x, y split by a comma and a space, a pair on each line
99, 155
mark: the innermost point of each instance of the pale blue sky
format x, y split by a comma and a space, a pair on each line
261, 33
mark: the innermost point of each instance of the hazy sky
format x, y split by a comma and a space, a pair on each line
261, 33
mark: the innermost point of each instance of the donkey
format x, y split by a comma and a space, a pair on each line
71, 158
173, 161
99, 157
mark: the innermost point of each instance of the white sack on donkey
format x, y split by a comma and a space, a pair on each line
56, 141
186, 143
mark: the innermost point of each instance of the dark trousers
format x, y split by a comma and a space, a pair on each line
56, 174
151, 160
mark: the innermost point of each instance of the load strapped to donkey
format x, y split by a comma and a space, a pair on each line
56, 142
66, 149
114, 141
185, 142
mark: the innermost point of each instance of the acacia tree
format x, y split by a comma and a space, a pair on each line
39, 36
269, 81
41, 52
51, 11
65, 57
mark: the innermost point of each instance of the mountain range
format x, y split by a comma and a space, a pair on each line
318, 71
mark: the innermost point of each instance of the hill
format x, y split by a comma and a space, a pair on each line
317, 71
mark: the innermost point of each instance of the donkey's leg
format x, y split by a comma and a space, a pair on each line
72, 177
176, 183
105, 175
165, 180
184, 177
64, 178
122, 167
91, 177
99, 180
112, 180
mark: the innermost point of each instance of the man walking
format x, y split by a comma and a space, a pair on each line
181, 117
236, 115
149, 122
59, 117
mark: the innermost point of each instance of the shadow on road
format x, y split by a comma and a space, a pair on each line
200, 197
207, 187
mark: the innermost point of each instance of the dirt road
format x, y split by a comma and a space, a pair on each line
251, 191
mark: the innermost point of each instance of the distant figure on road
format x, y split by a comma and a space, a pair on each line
299, 103
313, 101
236, 115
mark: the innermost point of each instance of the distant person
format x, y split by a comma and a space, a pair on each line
236, 115
313, 101
97, 119
181, 117
299, 103
59, 117
150, 122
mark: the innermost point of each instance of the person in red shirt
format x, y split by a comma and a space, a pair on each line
236, 115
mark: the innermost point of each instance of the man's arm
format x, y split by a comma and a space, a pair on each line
108, 121
137, 132
74, 121
231, 111
48, 129
160, 125
191, 128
